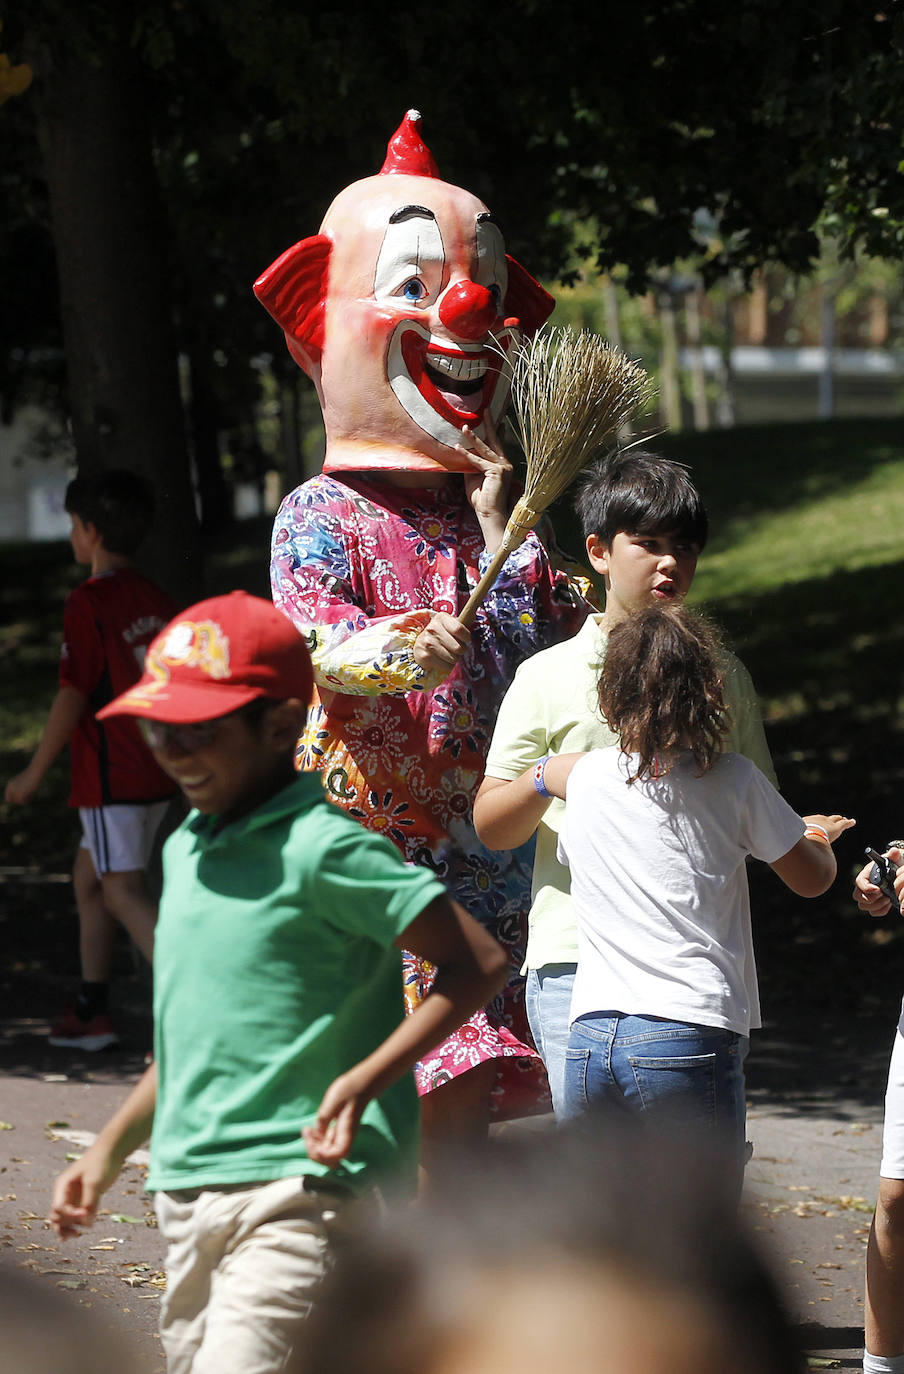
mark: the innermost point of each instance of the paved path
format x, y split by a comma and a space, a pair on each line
815, 1090
809, 1193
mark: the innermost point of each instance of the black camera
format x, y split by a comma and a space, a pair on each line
883, 871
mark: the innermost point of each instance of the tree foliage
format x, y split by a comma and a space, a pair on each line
635, 134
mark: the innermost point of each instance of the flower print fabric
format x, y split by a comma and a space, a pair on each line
360, 566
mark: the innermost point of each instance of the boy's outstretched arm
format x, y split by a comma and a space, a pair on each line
506, 813
78, 1189
471, 968
809, 868
68, 706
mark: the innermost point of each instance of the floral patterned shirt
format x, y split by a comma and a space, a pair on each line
360, 566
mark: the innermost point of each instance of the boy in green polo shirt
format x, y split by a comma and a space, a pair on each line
281, 1085
644, 525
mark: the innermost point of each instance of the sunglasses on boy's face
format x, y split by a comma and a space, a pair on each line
162, 734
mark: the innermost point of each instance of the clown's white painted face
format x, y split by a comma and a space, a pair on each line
413, 323
442, 379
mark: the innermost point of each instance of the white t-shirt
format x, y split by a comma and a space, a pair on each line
659, 885
552, 707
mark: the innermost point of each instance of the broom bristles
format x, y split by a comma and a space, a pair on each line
572, 397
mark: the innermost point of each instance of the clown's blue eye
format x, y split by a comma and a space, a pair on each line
414, 289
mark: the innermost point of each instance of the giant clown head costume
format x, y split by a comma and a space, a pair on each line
402, 310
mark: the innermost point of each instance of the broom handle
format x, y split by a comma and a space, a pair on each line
520, 522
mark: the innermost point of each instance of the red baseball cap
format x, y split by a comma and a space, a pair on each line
215, 657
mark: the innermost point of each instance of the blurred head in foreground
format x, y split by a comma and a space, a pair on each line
595, 1254
44, 1331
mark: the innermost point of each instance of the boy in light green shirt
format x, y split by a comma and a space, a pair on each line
645, 526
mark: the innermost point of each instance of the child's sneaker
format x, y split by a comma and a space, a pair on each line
69, 1030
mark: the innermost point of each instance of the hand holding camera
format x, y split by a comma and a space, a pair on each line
879, 873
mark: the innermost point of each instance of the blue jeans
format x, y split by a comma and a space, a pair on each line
547, 996
686, 1075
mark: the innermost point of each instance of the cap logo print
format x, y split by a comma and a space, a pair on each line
197, 644
189, 644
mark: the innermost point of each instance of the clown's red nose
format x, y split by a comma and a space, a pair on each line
468, 310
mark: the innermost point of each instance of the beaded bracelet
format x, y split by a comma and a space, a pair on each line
539, 780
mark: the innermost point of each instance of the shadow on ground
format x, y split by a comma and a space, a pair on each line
39, 973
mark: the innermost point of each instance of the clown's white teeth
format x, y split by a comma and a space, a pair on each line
459, 366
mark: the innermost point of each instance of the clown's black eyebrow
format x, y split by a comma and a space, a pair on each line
411, 212
487, 217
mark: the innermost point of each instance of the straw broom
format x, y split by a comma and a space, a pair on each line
572, 396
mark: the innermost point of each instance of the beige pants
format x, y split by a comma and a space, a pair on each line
241, 1266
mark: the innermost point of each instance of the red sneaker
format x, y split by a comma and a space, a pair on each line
70, 1031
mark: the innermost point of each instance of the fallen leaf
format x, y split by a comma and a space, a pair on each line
6, 1126
851, 1204
122, 1216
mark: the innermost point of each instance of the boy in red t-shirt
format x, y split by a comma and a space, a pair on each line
121, 793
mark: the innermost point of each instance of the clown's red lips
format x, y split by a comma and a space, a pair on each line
457, 384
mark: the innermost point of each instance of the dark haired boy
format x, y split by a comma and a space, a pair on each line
281, 1086
644, 527
120, 792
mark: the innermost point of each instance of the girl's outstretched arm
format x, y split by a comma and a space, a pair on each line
809, 868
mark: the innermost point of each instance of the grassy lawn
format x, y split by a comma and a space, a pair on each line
804, 569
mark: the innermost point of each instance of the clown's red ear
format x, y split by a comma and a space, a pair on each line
525, 298
407, 152
294, 289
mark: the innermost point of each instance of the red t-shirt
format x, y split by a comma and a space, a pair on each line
108, 623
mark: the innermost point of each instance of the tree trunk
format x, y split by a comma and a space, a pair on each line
699, 399
610, 313
826, 389
114, 290
669, 383
213, 490
725, 406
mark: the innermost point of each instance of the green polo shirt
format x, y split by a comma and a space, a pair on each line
275, 971
552, 708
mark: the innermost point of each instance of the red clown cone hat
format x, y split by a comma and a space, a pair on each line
407, 152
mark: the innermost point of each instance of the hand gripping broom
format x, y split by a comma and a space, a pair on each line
572, 395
